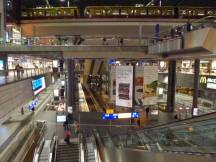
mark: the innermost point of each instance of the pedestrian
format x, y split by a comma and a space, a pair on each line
22, 111
76, 125
17, 68
138, 122
147, 112
188, 26
21, 71
65, 125
67, 136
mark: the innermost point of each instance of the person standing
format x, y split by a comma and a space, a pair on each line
17, 68
65, 124
147, 112
22, 110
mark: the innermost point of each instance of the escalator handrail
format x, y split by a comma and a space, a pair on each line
55, 147
182, 122
40, 143
99, 145
178, 123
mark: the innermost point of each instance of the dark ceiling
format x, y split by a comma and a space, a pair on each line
83, 3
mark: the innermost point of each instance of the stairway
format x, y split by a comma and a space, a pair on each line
67, 152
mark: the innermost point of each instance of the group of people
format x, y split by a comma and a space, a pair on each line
67, 129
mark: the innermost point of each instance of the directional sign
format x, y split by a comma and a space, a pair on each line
120, 116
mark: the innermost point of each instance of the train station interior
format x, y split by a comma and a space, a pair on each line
107, 81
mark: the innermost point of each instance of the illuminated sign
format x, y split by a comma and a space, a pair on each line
203, 80
33, 104
38, 85
109, 116
120, 116
61, 118
109, 111
211, 83
124, 115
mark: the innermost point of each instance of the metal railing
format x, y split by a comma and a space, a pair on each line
178, 31
74, 40
14, 75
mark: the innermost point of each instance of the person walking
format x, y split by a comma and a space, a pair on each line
67, 136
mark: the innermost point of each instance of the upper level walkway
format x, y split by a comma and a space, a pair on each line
200, 42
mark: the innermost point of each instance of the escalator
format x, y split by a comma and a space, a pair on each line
67, 152
192, 140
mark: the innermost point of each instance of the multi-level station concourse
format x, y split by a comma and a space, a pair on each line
107, 81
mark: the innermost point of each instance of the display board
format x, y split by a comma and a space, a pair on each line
124, 85
38, 85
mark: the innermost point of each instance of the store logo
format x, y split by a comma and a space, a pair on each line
203, 80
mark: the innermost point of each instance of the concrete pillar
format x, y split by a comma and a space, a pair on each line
195, 84
70, 85
171, 86
2, 19
134, 85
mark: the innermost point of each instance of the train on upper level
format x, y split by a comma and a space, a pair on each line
118, 12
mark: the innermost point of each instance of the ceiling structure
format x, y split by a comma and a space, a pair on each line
83, 3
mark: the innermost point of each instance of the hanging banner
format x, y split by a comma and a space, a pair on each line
124, 85
150, 84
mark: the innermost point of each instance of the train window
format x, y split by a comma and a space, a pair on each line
115, 12
154, 12
200, 12
97, 12
124, 12
34, 13
189, 12
65, 13
24, 14
211, 13
104, 12
59, 13
40, 13
47, 13
143, 12
167, 12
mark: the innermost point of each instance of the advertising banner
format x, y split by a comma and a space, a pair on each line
124, 85
150, 84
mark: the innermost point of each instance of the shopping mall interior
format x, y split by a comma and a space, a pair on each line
107, 81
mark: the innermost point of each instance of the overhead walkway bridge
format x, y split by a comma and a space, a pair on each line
188, 140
